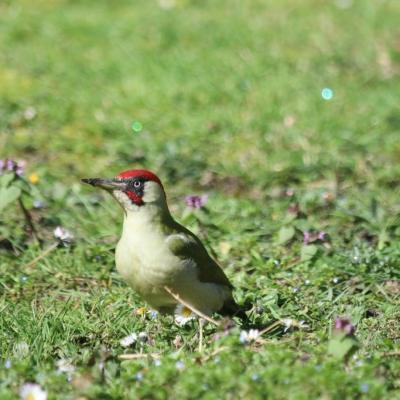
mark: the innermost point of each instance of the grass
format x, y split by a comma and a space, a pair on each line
229, 97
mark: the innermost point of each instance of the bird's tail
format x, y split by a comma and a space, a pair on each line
232, 309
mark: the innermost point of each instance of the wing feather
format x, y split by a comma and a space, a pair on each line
186, 245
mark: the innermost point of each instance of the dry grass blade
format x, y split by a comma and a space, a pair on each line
270, 327
194, 310
41, 255
136, 356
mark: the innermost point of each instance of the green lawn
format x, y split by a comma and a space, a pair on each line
226, 99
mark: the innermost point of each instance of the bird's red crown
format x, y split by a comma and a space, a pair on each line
133, 173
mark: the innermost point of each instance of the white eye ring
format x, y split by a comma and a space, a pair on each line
137, 184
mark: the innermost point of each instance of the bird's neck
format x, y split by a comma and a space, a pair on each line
149, 216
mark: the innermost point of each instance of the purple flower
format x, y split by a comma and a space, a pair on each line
194, 201
322, 236
306, 237
12, 166
311, 237
19, 171
364, 387
343, 324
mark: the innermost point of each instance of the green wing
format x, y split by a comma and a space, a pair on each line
184, 244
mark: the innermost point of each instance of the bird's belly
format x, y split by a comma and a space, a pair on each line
147, 267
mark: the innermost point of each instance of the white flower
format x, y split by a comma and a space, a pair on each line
183, 315
32, 391
180, 365
249, 336
128, 340
157, 362
139, 376
288, 322
30, 113
64, 366
63, 235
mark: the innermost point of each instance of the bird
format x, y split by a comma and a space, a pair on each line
163, 261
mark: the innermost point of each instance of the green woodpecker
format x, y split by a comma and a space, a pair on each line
155, 252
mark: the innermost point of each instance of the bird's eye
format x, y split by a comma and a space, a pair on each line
137, 184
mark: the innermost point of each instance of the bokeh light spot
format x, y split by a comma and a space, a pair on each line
327, 94
137, 126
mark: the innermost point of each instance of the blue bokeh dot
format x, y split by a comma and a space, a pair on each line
327, 94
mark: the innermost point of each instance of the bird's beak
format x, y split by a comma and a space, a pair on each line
107, 184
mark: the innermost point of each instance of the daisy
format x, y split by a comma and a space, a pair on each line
249, 336
32, 391
183, 315
63, 235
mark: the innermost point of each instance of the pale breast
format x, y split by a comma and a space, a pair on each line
147, 265
144, 259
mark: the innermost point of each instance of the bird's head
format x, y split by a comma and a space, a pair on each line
133, 189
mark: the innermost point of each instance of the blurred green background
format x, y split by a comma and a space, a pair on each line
212, 83
218, 97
